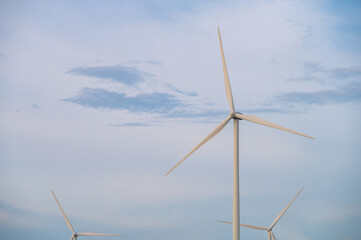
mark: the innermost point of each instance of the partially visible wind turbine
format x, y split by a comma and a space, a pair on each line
271, 236
236, 116
75, 235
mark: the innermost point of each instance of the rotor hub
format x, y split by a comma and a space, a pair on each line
233, 115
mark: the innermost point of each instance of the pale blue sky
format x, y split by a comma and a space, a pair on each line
99, 99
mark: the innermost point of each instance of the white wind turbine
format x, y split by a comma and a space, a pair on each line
271, 236
76, 235
236, 116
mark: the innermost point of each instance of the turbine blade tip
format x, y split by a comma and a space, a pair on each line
165, 175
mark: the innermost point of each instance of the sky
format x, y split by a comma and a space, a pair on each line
99, 99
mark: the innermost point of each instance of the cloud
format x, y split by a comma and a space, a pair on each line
327, 75
169, 101
10, 215
10, 209
190, 94
345, 83
269, 110
118, 73
345, 73
154, 96
146, 62
343, 94
151, 103
198, 114
134, 124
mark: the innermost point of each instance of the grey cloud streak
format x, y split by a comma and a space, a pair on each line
344, 86
117, 73
344, 94
344, 83
327, 75
134, 124
100, 98
166, 101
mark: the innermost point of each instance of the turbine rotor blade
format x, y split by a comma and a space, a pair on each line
284, 210
226, 78
261, 121
245, 225
97, 234
220, 221
206, 139
254, 227
273, 236
269, 235
64, 215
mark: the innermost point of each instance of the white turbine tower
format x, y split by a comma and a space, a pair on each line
76, 235
271, 236
236, 116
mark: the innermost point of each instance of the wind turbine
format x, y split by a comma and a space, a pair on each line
236, 116
76, 235
271, 236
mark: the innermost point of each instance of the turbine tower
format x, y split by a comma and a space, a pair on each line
271, 236
75, 235
236, 116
